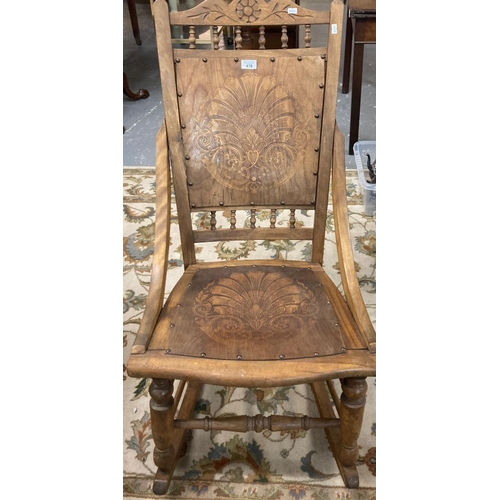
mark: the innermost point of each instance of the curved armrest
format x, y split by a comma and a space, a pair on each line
346, 260
154, 301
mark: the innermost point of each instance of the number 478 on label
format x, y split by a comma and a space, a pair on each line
248, 64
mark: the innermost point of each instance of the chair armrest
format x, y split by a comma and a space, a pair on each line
344, 248
154, 301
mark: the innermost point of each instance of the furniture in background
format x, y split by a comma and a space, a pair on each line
135, 23
252, 143
140, 94
360, 29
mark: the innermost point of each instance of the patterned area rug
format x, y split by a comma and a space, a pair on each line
290, 465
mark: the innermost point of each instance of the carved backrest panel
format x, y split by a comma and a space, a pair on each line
251, 136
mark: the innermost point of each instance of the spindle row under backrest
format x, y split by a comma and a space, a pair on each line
243, 35
250, 230
253, 219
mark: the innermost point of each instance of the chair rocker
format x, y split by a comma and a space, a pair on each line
252, 130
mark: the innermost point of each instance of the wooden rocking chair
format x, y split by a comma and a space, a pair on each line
252, 130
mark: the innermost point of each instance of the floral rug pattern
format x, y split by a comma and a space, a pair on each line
288, 465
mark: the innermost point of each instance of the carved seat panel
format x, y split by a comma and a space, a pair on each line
253, 312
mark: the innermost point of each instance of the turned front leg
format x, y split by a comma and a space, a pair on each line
352, 407
162, 426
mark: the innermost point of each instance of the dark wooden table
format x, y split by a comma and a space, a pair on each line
135, 23
360, 30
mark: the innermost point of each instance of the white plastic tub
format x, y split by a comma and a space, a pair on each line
361, 149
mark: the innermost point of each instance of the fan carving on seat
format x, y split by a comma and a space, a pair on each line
253, 306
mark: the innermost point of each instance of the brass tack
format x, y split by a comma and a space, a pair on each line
190, 183
316, 353
254, 265
167, 351
308, 268
189, 284
323, 56
328, 302
203, 355
283, 265
319, 284
273, 59
183, 125
204, 59
299, 58
239, 356
193, 205
179, 305
321, 85
221, 203
171, 325
187, 157
177, 60
315, 173
236, 59
282, 202
343, 349
313, 202
252, 203
282, 356
179, 94
316, 149
335, 324
316, 115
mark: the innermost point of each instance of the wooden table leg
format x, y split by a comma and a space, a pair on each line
135, 23
357, 79
347, 57
364, 31
141, 94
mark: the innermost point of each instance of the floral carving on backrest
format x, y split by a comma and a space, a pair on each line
249, 133
247, 11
